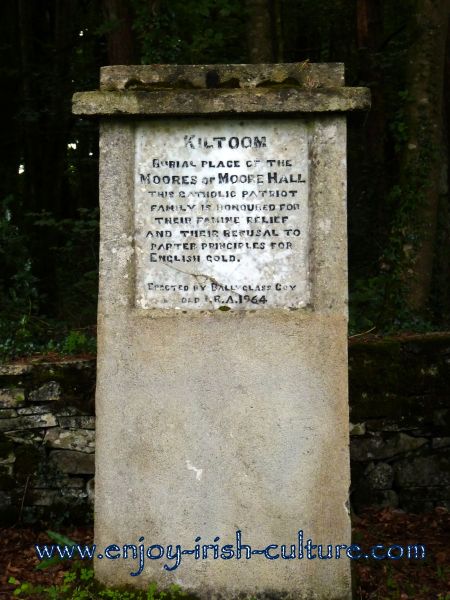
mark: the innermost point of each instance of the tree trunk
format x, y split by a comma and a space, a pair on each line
46, 43
369, 23
370, 28
442, 270
121, 40
10, 95
259, 31
59, 125
421, 168
279, 36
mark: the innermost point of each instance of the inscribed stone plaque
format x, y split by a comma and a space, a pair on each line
221, 214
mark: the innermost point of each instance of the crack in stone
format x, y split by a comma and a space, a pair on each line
196, 276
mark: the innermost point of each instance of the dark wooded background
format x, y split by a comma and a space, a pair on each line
398, 153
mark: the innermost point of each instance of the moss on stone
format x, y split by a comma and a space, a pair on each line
287, 99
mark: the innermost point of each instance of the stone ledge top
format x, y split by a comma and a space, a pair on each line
151, 77
259, 100
221, 89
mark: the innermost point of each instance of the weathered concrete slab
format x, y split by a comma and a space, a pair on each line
141, 77
197, 102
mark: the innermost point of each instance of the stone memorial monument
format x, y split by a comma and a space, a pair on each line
222, 415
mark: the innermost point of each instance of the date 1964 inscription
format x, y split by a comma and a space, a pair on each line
221, 215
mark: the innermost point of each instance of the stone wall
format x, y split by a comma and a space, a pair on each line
400, 444
400, 411
47, 441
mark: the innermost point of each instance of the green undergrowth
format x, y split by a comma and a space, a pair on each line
47, 306
27, 337
79, 584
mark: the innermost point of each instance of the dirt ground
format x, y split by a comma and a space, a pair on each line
388, 579
403, 579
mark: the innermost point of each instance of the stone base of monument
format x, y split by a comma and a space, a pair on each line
222, 414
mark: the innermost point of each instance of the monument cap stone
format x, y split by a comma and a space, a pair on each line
222, 411
221, 89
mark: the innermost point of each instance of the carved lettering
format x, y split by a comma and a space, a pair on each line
222, 215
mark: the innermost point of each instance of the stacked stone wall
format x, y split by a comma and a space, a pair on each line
400, 415
47, 441
400, 431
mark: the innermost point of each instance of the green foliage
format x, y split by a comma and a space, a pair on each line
205, 31
398, 126
79, 584
48, 223
377, 304
24, 329
76, 248
381, 270
78, 342
18, 292
17, 284
443, 573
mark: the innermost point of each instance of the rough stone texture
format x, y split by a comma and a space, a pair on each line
49, 392
221, 89
35, 409
424, 471
357, 429
82, 440
399, 391
30, 437
210, 421
8, 413
15, 369
30, 422
37, 482
80, 422
140, 77
208, 102
11, 397
380, 476
378, 447
419, 488
73, 463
